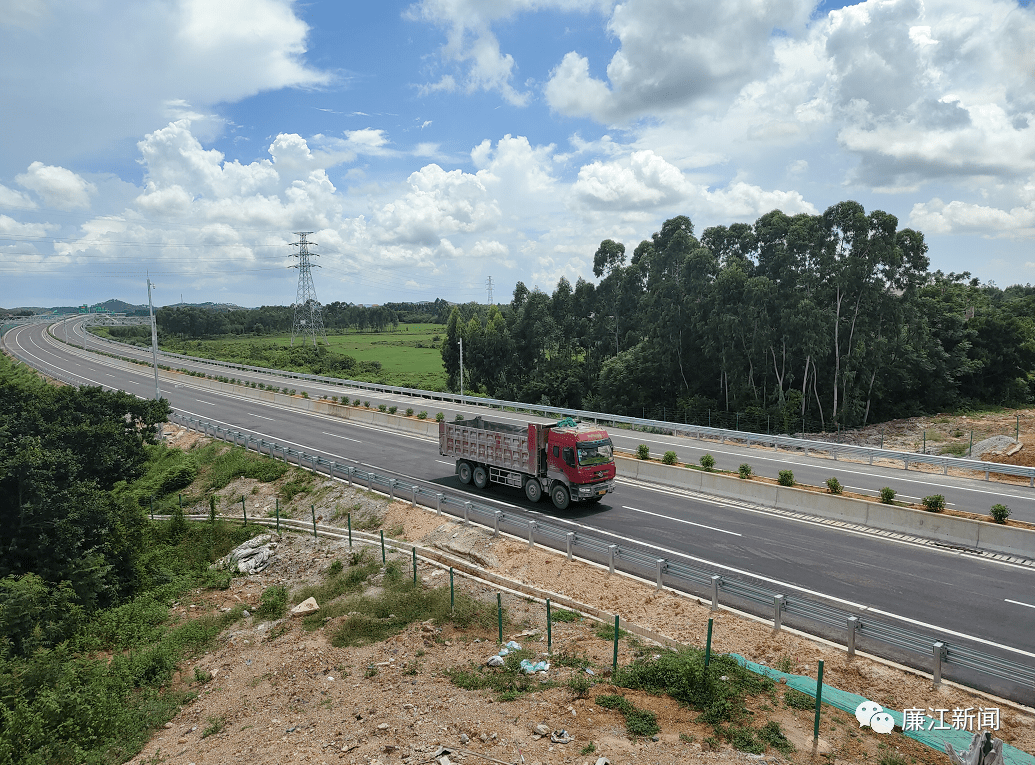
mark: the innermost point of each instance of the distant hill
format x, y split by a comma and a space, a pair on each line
113, 306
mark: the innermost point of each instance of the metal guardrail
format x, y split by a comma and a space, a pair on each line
835, 450
645, 563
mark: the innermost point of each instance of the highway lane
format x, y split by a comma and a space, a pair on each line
913, 584
971, 494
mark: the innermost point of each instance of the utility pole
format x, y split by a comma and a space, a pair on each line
488, 287
308, 314
154, 336
461, 367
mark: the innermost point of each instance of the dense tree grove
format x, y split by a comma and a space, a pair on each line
195, 322
826, 321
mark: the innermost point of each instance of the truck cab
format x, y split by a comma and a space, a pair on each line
580, 462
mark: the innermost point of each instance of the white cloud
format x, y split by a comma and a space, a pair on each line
673, 53
473, 49
57, 186
439, 204
14, 198
183, 56
938, 217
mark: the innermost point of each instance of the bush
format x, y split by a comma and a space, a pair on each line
707, 462
669, 458
999, 513
834, 486
643, 452
409, 413
334, 399
785, 478
440, 417
355, 402
366, 404
934, 503
305, 395
273, 602
744, 470
393, 409
381, 407
459, 418
422, 415
887, 495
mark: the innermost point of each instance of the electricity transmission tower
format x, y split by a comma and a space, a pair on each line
488, 288
308, 315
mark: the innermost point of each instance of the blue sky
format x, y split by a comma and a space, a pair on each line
431, 145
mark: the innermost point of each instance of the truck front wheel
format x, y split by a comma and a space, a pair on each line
480, 477
533, 490
560, 496
464, 471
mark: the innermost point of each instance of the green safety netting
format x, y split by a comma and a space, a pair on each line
567, 422
848, 702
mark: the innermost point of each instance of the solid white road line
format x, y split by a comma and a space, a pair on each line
680, 520
335, 435
1018, 603
443, 462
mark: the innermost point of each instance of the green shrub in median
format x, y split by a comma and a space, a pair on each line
669, 458
707, 462
409, 413
887, 495
785, 478
382, 407
440, 417
393, 409
355, 402
834, 486
934, 503
999, 513
422, 415
744, 470
643, 452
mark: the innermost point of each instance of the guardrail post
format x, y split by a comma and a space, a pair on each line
497, 517
986, 475
611, 558
777, 611
715, 592
531, 534
391, 489
660, 565
853, 625
348, 474
413, 499
370, 481
571, 542
467, 511
438, 503
939, 655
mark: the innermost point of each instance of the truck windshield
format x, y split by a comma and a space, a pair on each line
595, 453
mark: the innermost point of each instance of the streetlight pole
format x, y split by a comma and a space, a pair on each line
154, 337
461, 367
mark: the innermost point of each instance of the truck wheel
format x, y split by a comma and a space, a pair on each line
560, 496
480, 477
464, 471
533, 490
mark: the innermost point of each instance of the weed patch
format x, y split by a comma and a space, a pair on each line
508, 681
638, 722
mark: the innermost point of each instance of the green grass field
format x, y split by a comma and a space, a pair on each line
409, 356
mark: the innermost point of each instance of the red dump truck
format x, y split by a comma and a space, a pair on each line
572, 462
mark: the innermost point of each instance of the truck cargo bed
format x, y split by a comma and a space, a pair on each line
501, 445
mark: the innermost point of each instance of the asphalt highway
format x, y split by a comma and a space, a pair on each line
924, 587
961, 493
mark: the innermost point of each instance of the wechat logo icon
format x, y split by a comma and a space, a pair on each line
873, 714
